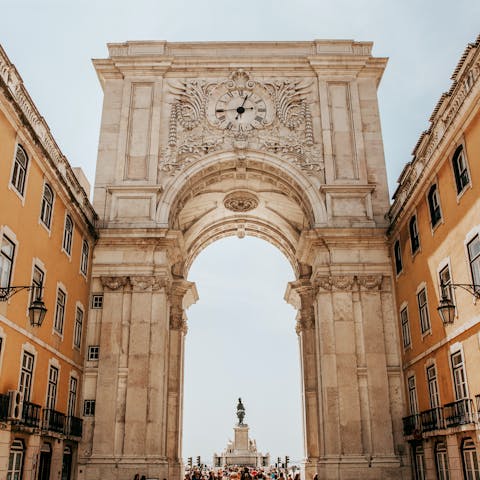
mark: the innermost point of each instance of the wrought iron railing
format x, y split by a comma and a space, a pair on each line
53, 421
3, 407
31, 414
73, 426
459, 413
411, 424
432, 419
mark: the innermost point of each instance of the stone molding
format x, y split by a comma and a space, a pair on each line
139, 283
336, 283
240, 201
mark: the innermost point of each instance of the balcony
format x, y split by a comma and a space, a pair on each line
31, 415
73, 426
53, 421
432, 419
459, 413
411, 424
3, 407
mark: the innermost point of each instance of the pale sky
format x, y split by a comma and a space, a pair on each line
241, 339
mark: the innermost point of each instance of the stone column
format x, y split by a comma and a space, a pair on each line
176, 338
308, 354
107, 383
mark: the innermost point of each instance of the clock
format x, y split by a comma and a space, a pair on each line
240, 110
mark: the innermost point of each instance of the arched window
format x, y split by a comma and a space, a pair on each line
460, 170
47, 206
441, 461
414, 238
15, 460
19, 172
68, 234
398, 257
434, 205
470, 460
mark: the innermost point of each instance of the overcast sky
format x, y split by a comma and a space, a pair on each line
241, 339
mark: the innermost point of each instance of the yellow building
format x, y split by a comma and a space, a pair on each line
435, 238
46, 234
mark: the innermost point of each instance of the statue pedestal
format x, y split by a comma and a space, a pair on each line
241, 437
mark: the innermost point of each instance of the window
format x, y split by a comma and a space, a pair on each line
72, 397
414, 239
412, 395
419, 458
474, 258
77, 334
423, 310
84, 259
93, 352
7, 251
459, 376
26, 374
15, 461
97, 301
47, 206
89, 408
52, 387
60, 311
433, 386
460, 170
405, 327
441, 461
68, 235
470, 460
446, 283
37, 282
398, 257
19, 170
434, 205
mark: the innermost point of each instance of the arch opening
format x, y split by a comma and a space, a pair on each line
242, 343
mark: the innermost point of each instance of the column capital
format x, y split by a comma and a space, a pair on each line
181, 295
301, 294
148, 283
114, 282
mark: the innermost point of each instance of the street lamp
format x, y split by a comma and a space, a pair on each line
446, 308
36, 310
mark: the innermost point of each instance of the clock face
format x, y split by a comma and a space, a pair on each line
240, 110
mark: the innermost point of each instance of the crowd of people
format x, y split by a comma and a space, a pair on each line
241, 473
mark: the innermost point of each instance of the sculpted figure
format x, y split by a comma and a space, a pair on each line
240, 412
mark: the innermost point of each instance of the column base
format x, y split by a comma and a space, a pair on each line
353, 467
107, 468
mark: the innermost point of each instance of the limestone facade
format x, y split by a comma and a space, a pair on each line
280, 140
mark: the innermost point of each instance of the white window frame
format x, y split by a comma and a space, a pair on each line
72, 404
405, 325
69, 244
441, 461
432, 385
43, 202
8, 260
56, 330
438, 205
11, 185
459, 369
78, 308
423, 288
467, 168
84, 259
412, 394
90, 353
94, 304
17, 450
53, 380
27, 353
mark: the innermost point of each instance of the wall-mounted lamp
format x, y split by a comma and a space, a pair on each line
36, 310
446, 308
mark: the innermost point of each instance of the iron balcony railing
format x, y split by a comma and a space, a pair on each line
31, 414
459, 413
3, 407
73, 426
53, 421
432, 419
411, 424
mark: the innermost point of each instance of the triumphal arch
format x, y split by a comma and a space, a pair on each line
280, 140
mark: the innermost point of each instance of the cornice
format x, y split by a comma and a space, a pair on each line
448, 116
12, 84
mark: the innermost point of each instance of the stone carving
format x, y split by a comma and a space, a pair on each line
342, 282
240, 412
370, 282
240, 201
306, 312
114, 283
286, 130
147, 283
